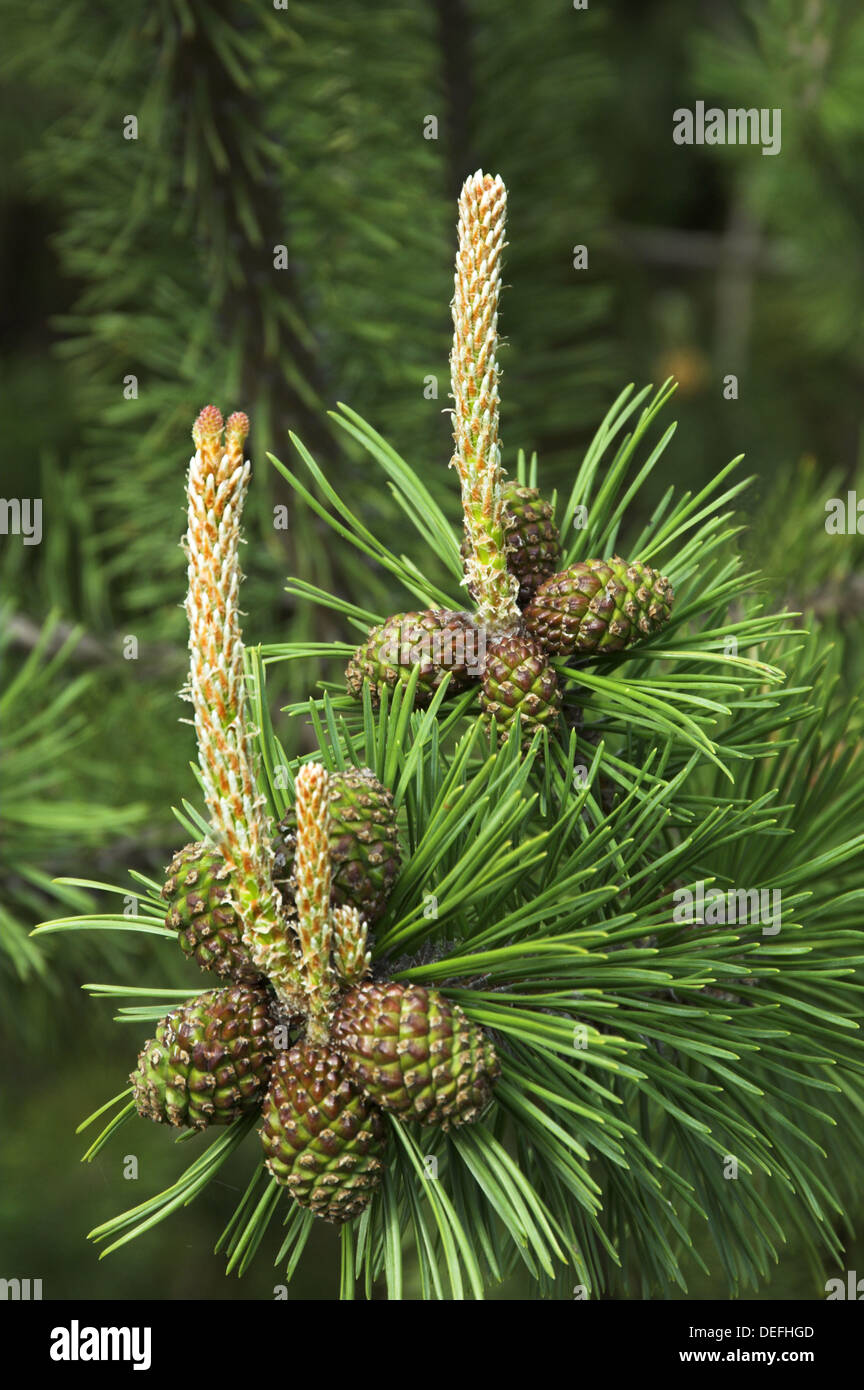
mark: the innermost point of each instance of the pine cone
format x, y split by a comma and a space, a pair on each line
599, 606
531, 537
198, 891
209, 1062
364, 844
415, 1053
519, 680
322, 1138
437, 640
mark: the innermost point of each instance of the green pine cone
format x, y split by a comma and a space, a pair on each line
198, 891
531, 537
364, 844
415, 1053
437, 640
519, 680
599, 606
210, 1060
322, 1138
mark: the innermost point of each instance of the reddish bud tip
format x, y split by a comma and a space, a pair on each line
208, 426
236, 428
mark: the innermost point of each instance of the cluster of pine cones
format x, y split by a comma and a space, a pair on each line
593, 607
392, 1048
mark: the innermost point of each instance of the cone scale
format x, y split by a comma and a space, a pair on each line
198, 891
518, 680
438, 641
322, 1138
209, 1061
415, 1053
600, 606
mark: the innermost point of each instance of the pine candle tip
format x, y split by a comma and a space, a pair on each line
482, 180
236, 428
208, 426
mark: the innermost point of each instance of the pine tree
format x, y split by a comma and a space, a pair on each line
567, 910
159, 162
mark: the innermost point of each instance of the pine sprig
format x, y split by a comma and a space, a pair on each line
641, 1050
608, 1011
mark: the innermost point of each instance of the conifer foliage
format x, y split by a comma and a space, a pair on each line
609, 1000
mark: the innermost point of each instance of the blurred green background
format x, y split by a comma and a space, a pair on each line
254, 203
